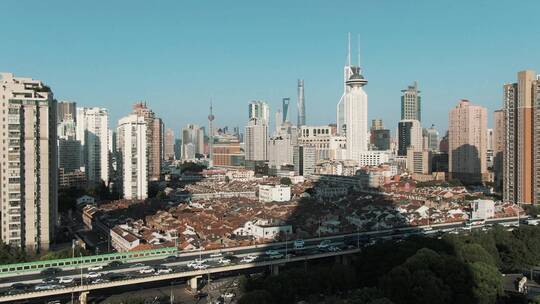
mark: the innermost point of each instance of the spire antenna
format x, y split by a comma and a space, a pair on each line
358, 50
349, 49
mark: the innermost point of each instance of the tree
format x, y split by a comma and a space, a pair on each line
256, 296
285, 181
471, 253
487, 283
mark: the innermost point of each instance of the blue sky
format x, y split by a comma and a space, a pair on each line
177, 55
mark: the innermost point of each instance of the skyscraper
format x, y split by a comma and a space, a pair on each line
286, 109
154, 127
352, 113
256, 140
133, 164
409, 136
301, 104
29, 184
467, 142
192, 141
521, 168
93, 134
411, 103
304, 159
279, 121
260, 110
168, 145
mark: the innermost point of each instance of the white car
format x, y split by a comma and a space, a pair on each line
271, 252
200, 266
65, 280
324, 244
200, 261
192, 264
299, 244
224, 261
248, 259
164, 271
95, 268
334, 249
93, 275
46, 287
216, 255
146, 270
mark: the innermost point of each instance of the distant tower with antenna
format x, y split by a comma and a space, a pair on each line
211, 118
301, 104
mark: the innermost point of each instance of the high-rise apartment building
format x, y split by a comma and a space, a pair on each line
411, 105
301, 104
168, 145
304, 160
431, 136
467, 129
133, 156
28, 163
67, 109
498, 147
256, 139
280, 146
93, 135
409, 136
377, 124
260, 110
192, 141
154, 127
521, 167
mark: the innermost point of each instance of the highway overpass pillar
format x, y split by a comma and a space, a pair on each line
274, 269
83, 297
194, 283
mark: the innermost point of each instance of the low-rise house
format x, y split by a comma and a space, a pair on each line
263, 229
123, 240
277, 193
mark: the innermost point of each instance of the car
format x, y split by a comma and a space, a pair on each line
95, 268
324, 244
248, 259
200, 261
170, 259
66, 280
216, 255
276, 256
46, 286
115, 264
200, 266
333, 249
146, 270
224, 261
271, 252
19, 286
200, 295
99, 281
93, 275
299, 244
50, 280
116, 276
228, 295
51, 271
193, 263
136, 265
164, 271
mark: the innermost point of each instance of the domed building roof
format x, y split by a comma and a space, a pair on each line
356, 79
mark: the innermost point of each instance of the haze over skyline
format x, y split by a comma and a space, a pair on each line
177, 59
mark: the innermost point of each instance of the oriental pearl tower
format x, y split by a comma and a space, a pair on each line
211, 118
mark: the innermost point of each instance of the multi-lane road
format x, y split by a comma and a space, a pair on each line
25, 285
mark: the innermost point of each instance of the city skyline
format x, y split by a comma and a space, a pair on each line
176, 73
